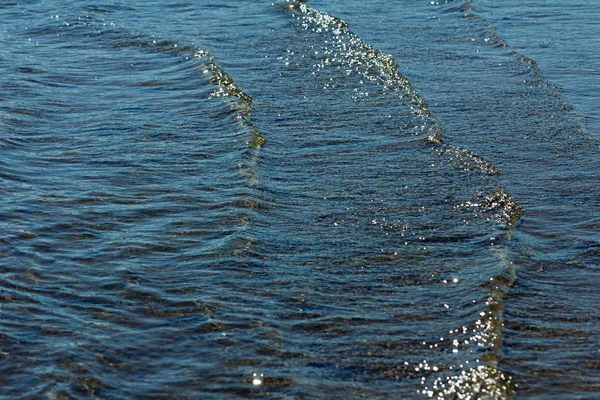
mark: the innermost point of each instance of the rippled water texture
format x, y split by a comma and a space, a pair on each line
238, 199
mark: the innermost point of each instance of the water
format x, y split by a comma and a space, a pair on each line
238, 199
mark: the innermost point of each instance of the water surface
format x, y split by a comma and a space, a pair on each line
237, 199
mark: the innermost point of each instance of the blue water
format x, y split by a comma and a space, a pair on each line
240, 199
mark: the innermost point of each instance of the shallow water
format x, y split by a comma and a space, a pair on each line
239, 199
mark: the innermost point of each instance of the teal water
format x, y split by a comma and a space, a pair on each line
239, 199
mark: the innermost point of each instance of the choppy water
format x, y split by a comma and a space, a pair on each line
238, 199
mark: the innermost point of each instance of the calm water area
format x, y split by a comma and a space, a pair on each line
224, 199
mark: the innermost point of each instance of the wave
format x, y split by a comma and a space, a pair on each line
240, 110
348, 54
140, 175
225, 87
356, 56
534, 75
187, 78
